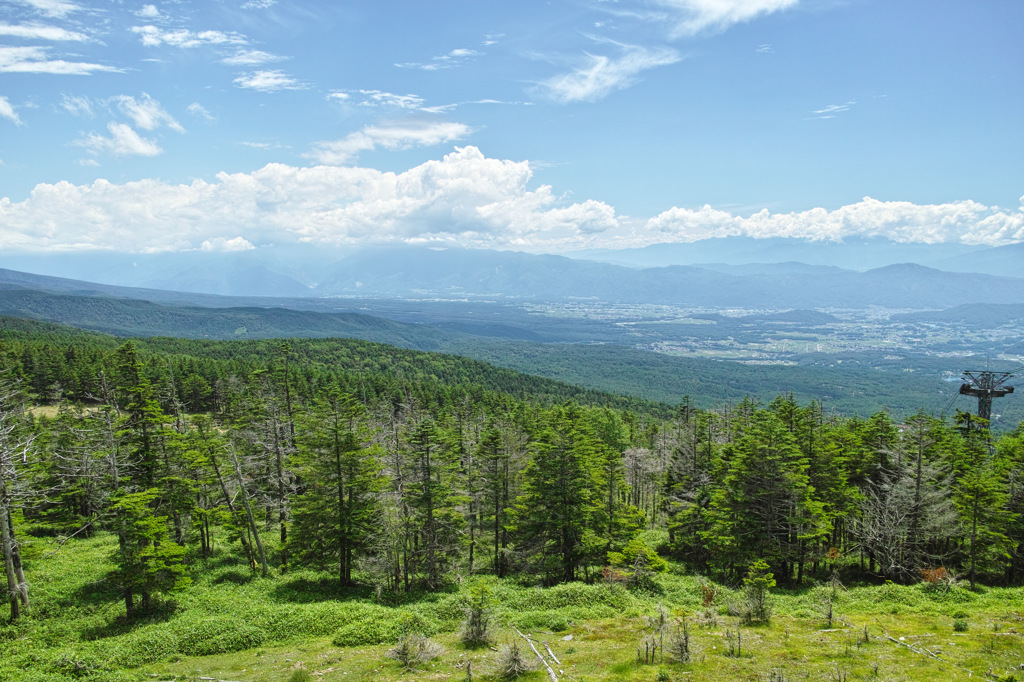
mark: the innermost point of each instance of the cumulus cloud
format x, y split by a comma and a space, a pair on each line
251, 58
123, 141
146, 112
226, 245
269, 81
35, 59
41, 32
148, 12
464, 198
151, 36
962, 221
8, 112
690, 17
398, 135
600, 75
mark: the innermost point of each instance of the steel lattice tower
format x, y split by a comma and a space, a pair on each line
985, 386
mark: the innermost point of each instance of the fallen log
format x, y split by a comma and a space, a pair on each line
554, 678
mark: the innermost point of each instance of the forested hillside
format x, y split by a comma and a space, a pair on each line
403, 472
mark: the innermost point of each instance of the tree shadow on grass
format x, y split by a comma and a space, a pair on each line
161, 610
302, 589
234, 577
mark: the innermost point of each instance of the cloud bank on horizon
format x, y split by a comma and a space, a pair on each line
464, 199
228, 126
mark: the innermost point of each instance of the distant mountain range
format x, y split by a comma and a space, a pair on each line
850, 254
709, 272
411, 272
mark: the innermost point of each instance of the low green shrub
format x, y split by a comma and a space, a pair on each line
554, 621
147, 645
383, 626
78, 664
361, 632
216, 635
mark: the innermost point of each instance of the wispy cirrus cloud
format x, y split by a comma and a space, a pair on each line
272, 80
42, 32
265, 145
456, 57
35, 59
7, 111
832, 110
445, 108
396, 135
145, 112
251, 58
57, 9
77, 105
690, 17
376, 98
199, 111
599, 75
153, 36
123, 141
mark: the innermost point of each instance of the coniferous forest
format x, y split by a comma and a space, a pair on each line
360, 495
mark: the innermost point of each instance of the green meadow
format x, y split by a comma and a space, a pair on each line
232, 624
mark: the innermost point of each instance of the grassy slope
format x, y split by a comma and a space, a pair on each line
270, 627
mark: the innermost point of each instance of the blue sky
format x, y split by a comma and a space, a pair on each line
542, 126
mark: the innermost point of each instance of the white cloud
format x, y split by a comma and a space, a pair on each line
146, 112
151, 36
690, 17
399, 135
832, 110
34, 59
456, 57
251, 58
265, 145
378, 98
601, 75
77, 105
52, 8
258, 4
223, 244
123, 141
41, 32
464, 198
199, 111
8, 112
961, 221
269, 81
148, 12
